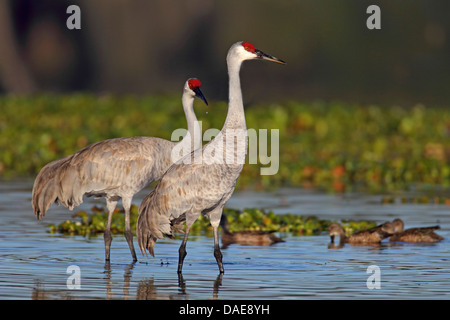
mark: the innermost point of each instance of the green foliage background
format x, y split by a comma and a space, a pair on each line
334, 146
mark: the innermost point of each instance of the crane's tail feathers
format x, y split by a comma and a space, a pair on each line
147, 242
57, 182
43, 198
145, 238
46, 188
153, 224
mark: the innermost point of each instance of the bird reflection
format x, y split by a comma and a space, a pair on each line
149, 290
146, 289
126, 280
216, 286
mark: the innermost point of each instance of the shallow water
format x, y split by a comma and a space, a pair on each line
33, 263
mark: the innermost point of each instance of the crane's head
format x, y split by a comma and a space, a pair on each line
192, 87
247, 51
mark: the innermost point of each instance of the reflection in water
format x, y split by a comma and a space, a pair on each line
126, 280
216, 286
181, 284
335, 245
33, 263
147, 289
373, 246
40, 293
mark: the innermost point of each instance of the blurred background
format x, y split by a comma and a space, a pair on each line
353, 106
151, 47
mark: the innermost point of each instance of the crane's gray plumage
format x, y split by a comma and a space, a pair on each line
115, 169
205, 183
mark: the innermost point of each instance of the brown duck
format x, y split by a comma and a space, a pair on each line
425, 234
246, 237
372, 235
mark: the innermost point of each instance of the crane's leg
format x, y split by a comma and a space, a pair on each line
182, 251
215, 217
217, 252
190, 219
111, 205
128, 234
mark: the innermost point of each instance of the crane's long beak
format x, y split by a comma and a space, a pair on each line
268, 57
199, 93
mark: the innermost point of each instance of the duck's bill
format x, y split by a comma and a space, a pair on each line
199, 93
268, 57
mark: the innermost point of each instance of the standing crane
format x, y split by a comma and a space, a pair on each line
115, 169
205, 184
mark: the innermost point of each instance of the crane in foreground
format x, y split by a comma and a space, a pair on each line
115, 169
204, 184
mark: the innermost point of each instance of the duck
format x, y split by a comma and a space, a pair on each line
424, 234
372, 235
246, 237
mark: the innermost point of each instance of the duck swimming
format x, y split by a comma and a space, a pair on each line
372, 235
246, 237
425, 234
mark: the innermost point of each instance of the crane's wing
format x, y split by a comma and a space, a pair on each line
105, 168
116, 164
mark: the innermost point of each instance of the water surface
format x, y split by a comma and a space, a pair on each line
33, 262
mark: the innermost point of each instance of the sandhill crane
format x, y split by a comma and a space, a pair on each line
115, 169
424, 234
204, 185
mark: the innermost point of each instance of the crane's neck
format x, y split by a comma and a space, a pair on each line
236, 116
229, 147
234, 132
194, 135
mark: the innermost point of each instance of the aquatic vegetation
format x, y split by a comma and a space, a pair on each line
335, 147
94, 223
